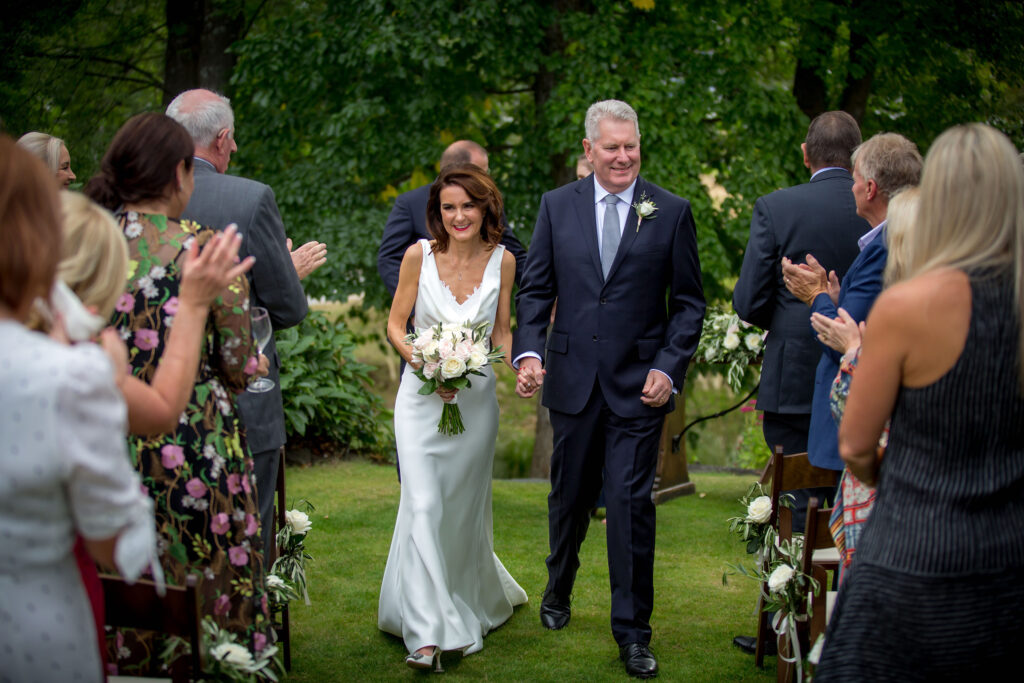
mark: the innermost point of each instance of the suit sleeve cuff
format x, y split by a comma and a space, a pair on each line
527, 354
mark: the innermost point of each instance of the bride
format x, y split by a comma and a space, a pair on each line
444, 588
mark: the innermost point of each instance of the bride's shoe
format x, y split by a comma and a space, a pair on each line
418, 660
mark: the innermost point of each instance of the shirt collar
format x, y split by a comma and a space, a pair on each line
870, 235
600, 193
205, 162
827, 168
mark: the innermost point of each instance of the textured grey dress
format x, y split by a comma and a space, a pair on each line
936, 589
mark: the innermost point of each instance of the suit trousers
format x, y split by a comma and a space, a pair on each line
625, 450
266, 463
790, 432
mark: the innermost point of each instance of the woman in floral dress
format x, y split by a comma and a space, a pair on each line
201, 475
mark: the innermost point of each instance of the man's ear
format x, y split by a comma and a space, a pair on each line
803, 149
587, 150
872, 188
221, 141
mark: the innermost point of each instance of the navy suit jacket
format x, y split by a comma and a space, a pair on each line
818, 217
646, 315
407, 223
217, 201
857, 294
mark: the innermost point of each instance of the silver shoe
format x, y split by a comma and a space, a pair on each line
421, 661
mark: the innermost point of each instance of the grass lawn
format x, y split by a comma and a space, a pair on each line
695, 618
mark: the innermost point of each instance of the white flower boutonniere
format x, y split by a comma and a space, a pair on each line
644, 208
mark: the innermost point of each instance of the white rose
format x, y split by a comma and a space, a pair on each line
481, 347
275, 581
430, 370
779, 578
760, 510
232, 653
423, 340
445, 348
734, 327
298, 521
645, 209
453, 367
430, 351
753, 341
732, 341
476, 360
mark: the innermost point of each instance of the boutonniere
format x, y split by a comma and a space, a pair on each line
644, 208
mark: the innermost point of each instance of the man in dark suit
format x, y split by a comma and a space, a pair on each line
217, 201
407, 221
630, 306
819, 216
883, 165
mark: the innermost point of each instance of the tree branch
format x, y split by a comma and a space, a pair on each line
128, 66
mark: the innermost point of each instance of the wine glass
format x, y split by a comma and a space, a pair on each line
261, 331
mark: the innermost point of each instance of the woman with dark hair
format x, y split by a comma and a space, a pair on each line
444, 588
64, 467
201, 474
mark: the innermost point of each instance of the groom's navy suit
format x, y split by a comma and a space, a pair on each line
608, 333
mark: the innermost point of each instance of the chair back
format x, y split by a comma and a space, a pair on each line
138, 605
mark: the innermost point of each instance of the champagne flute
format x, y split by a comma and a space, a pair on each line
261, 332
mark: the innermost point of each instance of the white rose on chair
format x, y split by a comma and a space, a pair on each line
760, 510
779, 578
232, 653
298, 521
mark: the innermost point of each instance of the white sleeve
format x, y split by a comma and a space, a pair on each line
104, 490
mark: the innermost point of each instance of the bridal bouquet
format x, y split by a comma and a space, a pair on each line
447, 354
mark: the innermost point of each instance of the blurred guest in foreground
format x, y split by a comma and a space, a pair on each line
936, 590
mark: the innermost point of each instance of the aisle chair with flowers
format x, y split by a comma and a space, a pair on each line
283, 628
789, 472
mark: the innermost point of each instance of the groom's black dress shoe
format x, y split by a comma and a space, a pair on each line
640, 663
554, 611
749, 645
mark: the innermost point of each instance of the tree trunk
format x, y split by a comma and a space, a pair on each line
199, 33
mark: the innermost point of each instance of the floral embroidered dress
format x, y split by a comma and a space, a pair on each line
201, 475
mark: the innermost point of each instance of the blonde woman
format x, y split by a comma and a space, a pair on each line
54, 154
936, 590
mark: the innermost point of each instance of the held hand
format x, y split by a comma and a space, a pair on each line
529, 378
657, 389
804, 281
204, 275
308, 257
446, 394
263, 369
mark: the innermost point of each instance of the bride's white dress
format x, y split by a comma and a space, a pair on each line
443, 584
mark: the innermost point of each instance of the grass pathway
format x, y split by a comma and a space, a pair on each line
695, 618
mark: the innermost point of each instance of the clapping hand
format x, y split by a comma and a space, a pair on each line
308, 257
807, 280
842, 334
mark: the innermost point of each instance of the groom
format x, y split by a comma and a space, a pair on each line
630, 307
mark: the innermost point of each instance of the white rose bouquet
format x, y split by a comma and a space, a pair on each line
727, 340
290, 566
754, 527
447, 354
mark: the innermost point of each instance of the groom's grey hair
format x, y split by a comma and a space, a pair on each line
605, 109
203, 120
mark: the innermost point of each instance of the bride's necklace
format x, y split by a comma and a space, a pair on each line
458, 271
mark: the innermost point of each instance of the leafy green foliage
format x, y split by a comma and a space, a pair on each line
325, 389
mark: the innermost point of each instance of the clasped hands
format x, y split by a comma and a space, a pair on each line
656, 392
807, 280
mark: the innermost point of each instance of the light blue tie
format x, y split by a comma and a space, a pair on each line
610, 233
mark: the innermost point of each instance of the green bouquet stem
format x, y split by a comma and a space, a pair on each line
451, 420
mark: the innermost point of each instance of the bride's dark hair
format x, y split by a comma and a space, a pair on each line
480, 188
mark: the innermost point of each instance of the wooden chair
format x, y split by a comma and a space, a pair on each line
284, 636
787, 472
177, 613
817, 537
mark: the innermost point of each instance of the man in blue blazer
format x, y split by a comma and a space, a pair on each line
883, 165
274, 281
620, 255
407, 221
818, 217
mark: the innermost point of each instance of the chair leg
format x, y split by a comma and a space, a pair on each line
283, 633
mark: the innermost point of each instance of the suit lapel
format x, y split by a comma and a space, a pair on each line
629, 233
587, 220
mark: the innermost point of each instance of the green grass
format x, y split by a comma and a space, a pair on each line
695, 618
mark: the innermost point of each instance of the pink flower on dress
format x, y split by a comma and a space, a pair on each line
125, 303
238, 555
259, 641
220, 523
246, 486
171, 306
234, 483
111, 669
251, 365
251, 525
172, 456
195, 487
146, 340
222, 605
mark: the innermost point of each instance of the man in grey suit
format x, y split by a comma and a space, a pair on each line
217, 201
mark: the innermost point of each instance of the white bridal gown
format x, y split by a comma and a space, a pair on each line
443, 584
